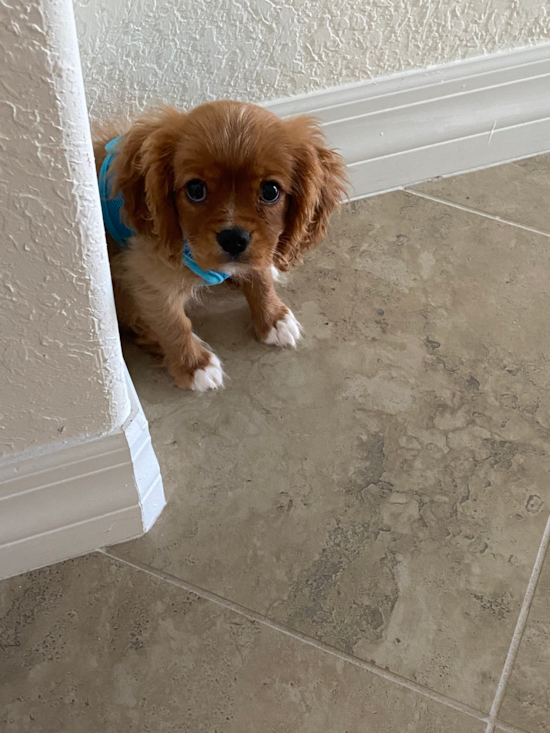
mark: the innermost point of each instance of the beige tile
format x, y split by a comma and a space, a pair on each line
527, 700
518, 192
384, 488
92, 645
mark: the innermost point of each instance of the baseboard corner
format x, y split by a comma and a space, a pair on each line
79, 498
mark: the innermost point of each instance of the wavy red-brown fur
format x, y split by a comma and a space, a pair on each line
233, 147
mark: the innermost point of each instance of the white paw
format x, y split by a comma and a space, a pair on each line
286, 332
211, 377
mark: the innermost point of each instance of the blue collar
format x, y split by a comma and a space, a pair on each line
111, 206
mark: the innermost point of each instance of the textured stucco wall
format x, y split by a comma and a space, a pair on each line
61, 370
138, 52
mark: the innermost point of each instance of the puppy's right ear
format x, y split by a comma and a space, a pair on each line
144, 173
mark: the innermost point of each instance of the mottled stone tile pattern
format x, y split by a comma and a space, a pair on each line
384, 488
92, 645
518, 191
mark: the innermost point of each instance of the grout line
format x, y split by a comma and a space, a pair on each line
508, 728
520, 628
310, 641
476, 211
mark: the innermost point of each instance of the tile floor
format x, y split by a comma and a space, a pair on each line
355, 532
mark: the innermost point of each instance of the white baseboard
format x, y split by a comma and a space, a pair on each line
407, 128
79, 498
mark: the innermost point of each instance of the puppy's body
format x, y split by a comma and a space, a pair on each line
244, 189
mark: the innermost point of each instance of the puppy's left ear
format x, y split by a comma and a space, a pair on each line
319, 183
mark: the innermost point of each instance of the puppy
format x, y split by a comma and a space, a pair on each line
228, 190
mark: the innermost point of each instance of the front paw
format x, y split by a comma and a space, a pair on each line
208, 376
285, 333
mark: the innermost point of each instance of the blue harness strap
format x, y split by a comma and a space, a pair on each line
210, 277
111, 207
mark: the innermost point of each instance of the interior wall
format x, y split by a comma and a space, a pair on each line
61, 371
140, 52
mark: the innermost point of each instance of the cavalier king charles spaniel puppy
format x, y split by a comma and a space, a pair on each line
228, 190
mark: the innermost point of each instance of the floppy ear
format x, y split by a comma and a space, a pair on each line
319, 183
144, 173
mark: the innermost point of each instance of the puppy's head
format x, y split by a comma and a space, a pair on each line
242, 187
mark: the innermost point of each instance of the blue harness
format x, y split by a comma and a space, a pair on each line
111, 206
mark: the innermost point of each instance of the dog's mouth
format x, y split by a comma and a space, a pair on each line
233, 268
235, 259
221, 261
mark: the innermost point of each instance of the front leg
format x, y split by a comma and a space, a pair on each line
186, 357
273, 322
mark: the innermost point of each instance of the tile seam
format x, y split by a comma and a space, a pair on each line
479, 212
506, 728
520, 627
296, 635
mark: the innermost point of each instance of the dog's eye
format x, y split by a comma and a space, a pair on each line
196, 191
269, 192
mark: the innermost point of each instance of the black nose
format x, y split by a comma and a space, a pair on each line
234, 240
